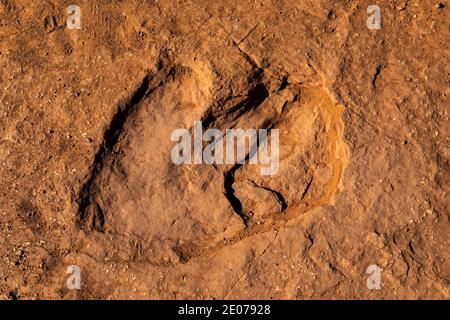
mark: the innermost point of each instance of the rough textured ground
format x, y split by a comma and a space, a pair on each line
86, 176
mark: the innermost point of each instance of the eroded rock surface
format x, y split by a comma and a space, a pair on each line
86, 118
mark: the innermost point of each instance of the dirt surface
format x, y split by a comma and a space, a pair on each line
86, 117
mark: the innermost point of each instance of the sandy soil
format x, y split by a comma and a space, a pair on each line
87, 179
